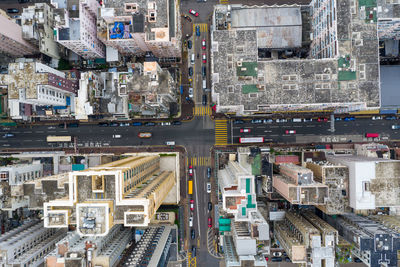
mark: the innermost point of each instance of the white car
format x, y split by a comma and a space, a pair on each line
191, 222
165, 123
376, 118
208, 188
277, 254
191, 92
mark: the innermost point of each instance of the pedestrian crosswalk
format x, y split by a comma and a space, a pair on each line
202, 111
221, 132
199, 161
203, 27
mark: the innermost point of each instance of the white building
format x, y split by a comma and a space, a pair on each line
77, 29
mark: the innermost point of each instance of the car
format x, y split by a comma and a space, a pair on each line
192, 205
245, 130
277, 254
117, 136
12, 10
395, 127
103, 124
8, 135
376, 118
390, 118
208, 188
190, 170
256, 121
204, 71
197, 30
238, 122
266, 258
144, 135
349, 119
149, 124
203, 44
23, 1
114, 124
322, 119
204, 100
209, 222
176, 123
281, 120
268, 121
209, 206
50, 128
290, 131
190, 71
338, 118
287, 259
307, 119
189, 44
191, 222
276, 259
191, 92
193, 251
192, 234
194, 13
357, 260
188, 18
165, 123
208, 172
137, 123
204, 57
124, 124
72, 125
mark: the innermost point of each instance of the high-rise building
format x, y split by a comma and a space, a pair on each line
388, 18
33, 87
128, 191
11, 39
135, 27
28, 244
37, 22
76, 27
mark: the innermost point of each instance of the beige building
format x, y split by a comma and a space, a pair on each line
128, 191
135, 27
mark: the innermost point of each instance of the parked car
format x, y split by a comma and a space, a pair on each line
189, 44
103, 124
307, 119
245, 130
276, 259
176, 123
349, 119
191, 92
290, 132
72, 125
256, 121
268, 121
188, 18
203, 44
192, 205
208, 172
149, 124
209, 222
338, 118
376, 118
49, 128
204, 71
124, 124
208, 188
193, 251
277, 254
194, 13
204, 58
191, 221
287, 259
137, 123
8, 135
322, 119
281, 120
197, 30
390, 118
209, 206
114, 124
192, 234
190, 71
12, 10
238, 122
165, 123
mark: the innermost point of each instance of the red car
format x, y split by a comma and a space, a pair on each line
204, 58
190, 170
203, 44
192, 205
290, 131
194, 13
322, 119
244, 130
209, 222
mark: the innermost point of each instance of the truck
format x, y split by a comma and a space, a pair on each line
54, 138
144, 135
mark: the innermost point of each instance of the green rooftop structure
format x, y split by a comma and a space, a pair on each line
249, 88
247, 69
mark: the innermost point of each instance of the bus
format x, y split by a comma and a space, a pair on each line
372, 135
54, 138
248, 140
190, 187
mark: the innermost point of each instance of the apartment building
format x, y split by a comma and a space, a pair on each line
75, 27
307, 239
37, 22
388, 20
135, 27
370, 181
12, 42
127, 191
153, 248
374, 243
336, 178
372, 150
12, 179
249, 53
75, 250
296, 184
28, 244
